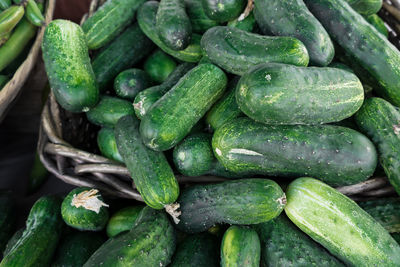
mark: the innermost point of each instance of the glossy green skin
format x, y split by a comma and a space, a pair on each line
223, 10
292, 18
147, 20
172, 117
346, 230
173, 24
39, 240
379, 120
151, 242
9, 18
7, 217
245, 201
150, 171
247, 24
123, 220
386, 211
109, 110
13, 240
366, 46
122, 53
198, 18
76, 248
109, 21
284, 245
378, 23
38, 175
145, 99
67, 62
130, 82
334, 154
284, 94
82, 218
159, 66
4, 4
238, 51
107, 144
199, 250
33, 13
240, 247
365, 7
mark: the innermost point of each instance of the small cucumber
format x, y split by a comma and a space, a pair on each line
159, 66
378, 23
7, 217
386, 211
108, 145
198, 18
9, 18
33, 13
247, 24
365, 7
130, 82
4, 4
223, 10
123, 220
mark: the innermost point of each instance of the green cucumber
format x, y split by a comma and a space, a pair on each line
109, 110
240, 247
172, 117
38, 242
107, 144
378, 23
274, 93
7, 217
123, 220
341, 66
147, 20
292, 18
198, 18
151, 242
34, 13
386, 211
247, 24
13, 240
237, 51
365, 7
339, 224
223, 10
83, 209
67, 63
379, 120
245, 201
109, 21
150, 171
334, 154
4, 4
37, 176
159, 66
122, 53
363, 43
130, 82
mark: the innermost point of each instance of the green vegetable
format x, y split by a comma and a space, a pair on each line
9, 18
33, 13
378, 23
341, 66
386, 211
123, 220
159, 66
107, 144
130, 82
7, 217
223, 10
198, 18
13, 240
38, 175
247, 24
365, 7
4, 4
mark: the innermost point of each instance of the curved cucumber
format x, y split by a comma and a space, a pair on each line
9, 18
107, 144
247, 24
7, 218
378, 23
198, 18
34, 14
123, 220
130, 82
223, 10
365, 7
159, 66
386, 211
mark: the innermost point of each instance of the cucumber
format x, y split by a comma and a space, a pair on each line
76, 248
247, 24
13, 240
40, 237
198, 18
363, 43
4, 4
159, 66
284, 245
339, 224
109, 21
274, 93
173, 24
9, 18
199, 250
240, 247
223, 10
292, 18
37, 176
172, 117
123, 220
147, 20
378, 23
365, 7
34, 13
109, 110
341, 66
150, 171
246, 201
145, 99
122, 53
386, 211
67, 63
7, 217
107, 144
83, 209
130, 82
379, 120
334, 154
151, 242
237, 51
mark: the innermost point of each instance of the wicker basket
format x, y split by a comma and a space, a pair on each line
65, 138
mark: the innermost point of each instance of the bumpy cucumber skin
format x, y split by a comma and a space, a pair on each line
172, 117
284, 245
7, 218
334, 154
109, 21
247, 24
292, 18
386, 211
147, 20
68, 67
126, 50
283, 94
362, 42
81, 218
159, 66
237, 51
339, 224
151, 242
107, 144
198, 18
379, 120
130, 82
150, 171
123, 220
109, 110
245, 201
240, 247
223, 10
365, 7
199, 250
378, 23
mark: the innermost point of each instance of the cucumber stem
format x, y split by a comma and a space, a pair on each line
172, 209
